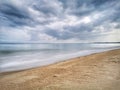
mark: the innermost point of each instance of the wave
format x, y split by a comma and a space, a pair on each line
26, 63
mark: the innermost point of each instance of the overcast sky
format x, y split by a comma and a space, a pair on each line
59, 20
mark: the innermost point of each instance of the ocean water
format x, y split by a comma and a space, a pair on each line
15, 57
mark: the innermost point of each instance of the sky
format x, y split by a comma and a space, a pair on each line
64, 21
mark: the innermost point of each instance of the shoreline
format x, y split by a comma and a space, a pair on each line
61, 60
92, 72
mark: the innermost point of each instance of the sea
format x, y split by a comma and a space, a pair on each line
21, 56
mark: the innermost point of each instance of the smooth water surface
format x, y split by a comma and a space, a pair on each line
23, 56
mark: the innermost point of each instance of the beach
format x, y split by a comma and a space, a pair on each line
99, 71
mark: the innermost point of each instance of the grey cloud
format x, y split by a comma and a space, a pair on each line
13, 11
14, 15
48, 8
80, 28
84, 7
54, 18
98, 3
84, 31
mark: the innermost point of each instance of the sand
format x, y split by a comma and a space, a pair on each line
100, 71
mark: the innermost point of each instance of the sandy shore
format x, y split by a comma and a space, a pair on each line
93, 72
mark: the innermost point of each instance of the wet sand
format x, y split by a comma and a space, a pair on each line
100, 71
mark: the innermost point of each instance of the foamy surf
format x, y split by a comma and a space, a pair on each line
29, 59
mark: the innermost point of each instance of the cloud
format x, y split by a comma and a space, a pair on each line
59, 20
14, 35
13, 15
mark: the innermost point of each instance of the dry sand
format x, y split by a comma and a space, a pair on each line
93, 72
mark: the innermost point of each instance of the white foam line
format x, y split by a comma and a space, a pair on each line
15, 66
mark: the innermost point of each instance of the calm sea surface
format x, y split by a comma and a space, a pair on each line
23, 56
